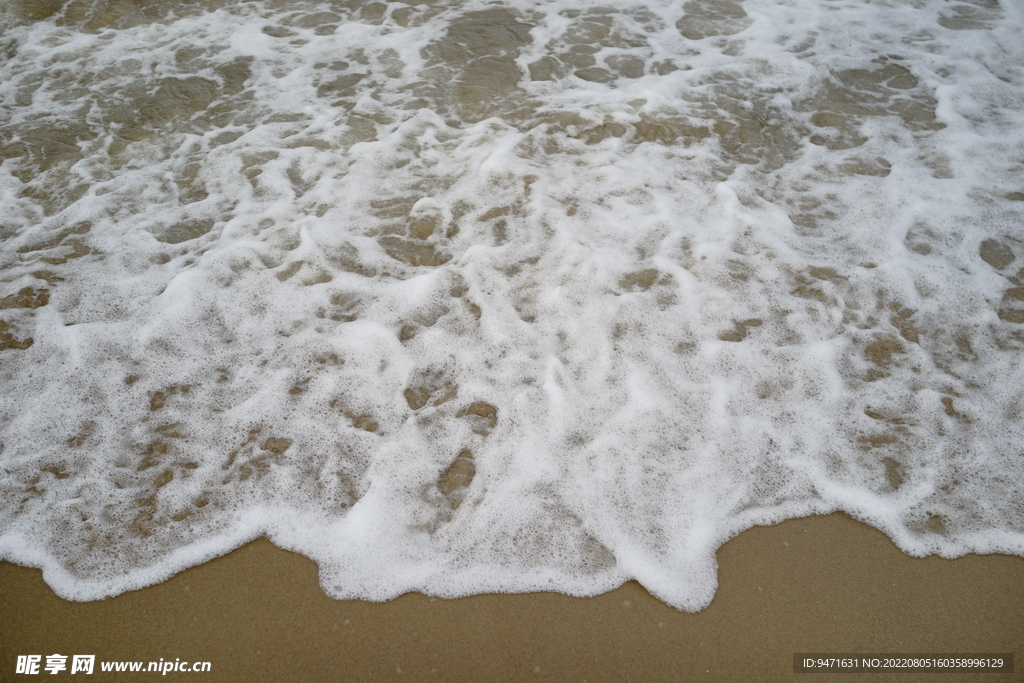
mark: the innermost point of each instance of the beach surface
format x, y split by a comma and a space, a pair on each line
815, 585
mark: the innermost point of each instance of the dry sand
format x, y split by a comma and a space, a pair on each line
822, 584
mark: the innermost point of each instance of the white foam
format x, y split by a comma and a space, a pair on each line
362, 285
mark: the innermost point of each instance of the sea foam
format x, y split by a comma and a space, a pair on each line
508, 296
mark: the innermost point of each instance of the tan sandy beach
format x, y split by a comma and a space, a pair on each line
826, 584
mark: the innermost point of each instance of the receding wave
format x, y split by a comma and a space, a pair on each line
465, 296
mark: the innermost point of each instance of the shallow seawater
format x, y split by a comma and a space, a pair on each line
505, 296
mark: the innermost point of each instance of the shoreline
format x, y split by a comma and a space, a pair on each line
819, 584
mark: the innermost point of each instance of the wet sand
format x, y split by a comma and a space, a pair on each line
822, 584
